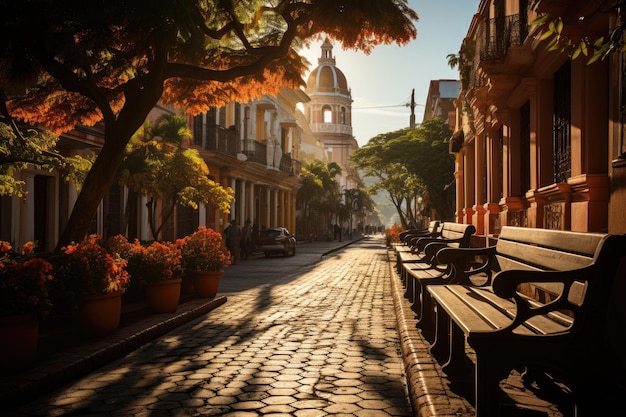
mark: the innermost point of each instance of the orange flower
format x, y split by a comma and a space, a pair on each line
24, 280
91, 269
204, 250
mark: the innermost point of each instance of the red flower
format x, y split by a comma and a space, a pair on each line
92, 269
204, 250
24, 280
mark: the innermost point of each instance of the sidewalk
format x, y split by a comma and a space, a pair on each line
64, 354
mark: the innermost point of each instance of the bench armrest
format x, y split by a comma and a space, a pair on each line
430, 252
506, 283
422, 242
462, 264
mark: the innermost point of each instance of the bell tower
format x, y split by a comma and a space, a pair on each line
329, 112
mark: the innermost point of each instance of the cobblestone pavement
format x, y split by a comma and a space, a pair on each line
325, 343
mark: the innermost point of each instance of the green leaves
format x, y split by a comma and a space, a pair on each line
576, 46
157, 166
411, 162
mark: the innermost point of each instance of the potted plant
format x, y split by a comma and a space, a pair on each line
204, 257
96, 279
24, 298
157, 266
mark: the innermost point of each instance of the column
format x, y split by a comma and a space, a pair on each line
242, 206
233, 205
494, 184
268, 207
589, 179
27, 210
460, 186
251, 201
478, 216
274, 205
469, 183
282, 213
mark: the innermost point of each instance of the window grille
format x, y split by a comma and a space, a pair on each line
561, 125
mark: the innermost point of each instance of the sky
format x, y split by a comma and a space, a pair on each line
382, 81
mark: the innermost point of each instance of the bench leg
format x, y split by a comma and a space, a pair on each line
416, 303
399, 264
440, 347
403, 274
457, 361
487, 386
426, 314
408, 293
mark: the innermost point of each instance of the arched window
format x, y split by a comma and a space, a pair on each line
343, 116
327, 113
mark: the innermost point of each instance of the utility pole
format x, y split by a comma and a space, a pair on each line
412, 120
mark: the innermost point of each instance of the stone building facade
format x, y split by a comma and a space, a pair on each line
539, 140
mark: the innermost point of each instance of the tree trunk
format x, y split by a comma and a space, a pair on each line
96, 185
117, 132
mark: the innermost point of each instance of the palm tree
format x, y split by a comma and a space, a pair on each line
319, 193
159, 167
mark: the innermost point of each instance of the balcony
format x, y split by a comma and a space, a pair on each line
257, 152
289, 165
500, 45
222, 140
500, 34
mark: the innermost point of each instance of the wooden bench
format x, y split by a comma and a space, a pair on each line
422, 267
405, 235
408, 240
551, 302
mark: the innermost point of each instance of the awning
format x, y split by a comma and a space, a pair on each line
456, 141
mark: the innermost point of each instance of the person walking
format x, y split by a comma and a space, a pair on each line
233, 238
246, 236
254, 237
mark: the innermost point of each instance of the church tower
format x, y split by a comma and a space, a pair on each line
329, 113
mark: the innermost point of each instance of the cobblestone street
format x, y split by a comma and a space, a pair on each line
324, 343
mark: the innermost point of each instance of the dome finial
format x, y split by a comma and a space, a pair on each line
327, 53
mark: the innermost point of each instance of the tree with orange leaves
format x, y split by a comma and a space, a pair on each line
71, 62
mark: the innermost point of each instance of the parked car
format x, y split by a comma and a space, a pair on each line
277, 240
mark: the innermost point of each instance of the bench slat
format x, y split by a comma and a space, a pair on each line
554, 322
543, 258
565, 241
476, 315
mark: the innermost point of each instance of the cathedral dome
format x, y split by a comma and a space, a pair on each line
327, 78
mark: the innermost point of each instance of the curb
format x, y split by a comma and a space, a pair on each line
75, 363
426, 383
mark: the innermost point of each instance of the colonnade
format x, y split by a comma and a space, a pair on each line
262, 204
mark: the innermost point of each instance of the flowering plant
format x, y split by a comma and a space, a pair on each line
204, 250
89, 268
149, 263
24, 281
392, 234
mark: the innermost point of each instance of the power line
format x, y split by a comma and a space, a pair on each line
385, 107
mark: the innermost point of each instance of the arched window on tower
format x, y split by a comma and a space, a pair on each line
327, 113
343, 116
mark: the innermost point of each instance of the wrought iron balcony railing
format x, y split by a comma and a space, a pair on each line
218, 138
499, 34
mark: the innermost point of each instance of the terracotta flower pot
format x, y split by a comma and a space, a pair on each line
163, 296
100, 314
206, 283
19, 334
